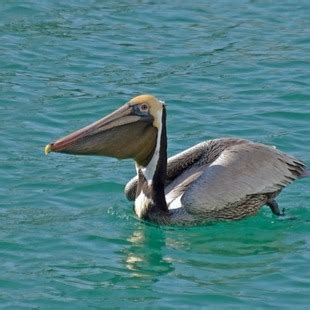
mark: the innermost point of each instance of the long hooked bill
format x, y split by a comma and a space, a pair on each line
121, 134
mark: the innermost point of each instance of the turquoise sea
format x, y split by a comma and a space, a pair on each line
68, 236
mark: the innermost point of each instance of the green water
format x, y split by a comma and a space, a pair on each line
68, 237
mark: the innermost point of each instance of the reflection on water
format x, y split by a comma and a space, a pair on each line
211, 255
144, 257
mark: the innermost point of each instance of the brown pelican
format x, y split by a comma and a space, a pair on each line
226, 178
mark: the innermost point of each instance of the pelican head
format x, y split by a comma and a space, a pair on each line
129, 132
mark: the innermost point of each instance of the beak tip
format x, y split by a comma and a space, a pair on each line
47, 149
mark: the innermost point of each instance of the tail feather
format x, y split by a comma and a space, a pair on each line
305, 173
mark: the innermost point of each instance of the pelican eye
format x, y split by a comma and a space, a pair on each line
144, 108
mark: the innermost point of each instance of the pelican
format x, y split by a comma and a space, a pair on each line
221, 179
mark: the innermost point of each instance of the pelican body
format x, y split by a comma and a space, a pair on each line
221, 179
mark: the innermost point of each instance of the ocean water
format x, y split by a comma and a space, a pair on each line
68, 236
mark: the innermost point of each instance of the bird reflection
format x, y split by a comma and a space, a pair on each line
144, 257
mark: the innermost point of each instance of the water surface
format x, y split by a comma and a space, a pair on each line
68, 237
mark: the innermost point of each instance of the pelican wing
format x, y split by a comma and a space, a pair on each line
238, 171
201, 154
176, 165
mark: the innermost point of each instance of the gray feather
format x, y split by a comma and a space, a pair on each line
226, 174
241, 170
305, 173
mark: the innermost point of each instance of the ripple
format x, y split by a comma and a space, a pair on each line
68, 236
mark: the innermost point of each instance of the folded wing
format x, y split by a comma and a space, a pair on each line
239, 171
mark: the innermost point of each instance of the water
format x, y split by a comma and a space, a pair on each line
68, 237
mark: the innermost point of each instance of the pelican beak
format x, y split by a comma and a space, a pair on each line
121, 134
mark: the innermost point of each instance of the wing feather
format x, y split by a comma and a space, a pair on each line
239, 171
176, 165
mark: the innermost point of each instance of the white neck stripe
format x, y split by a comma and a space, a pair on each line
150, 169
